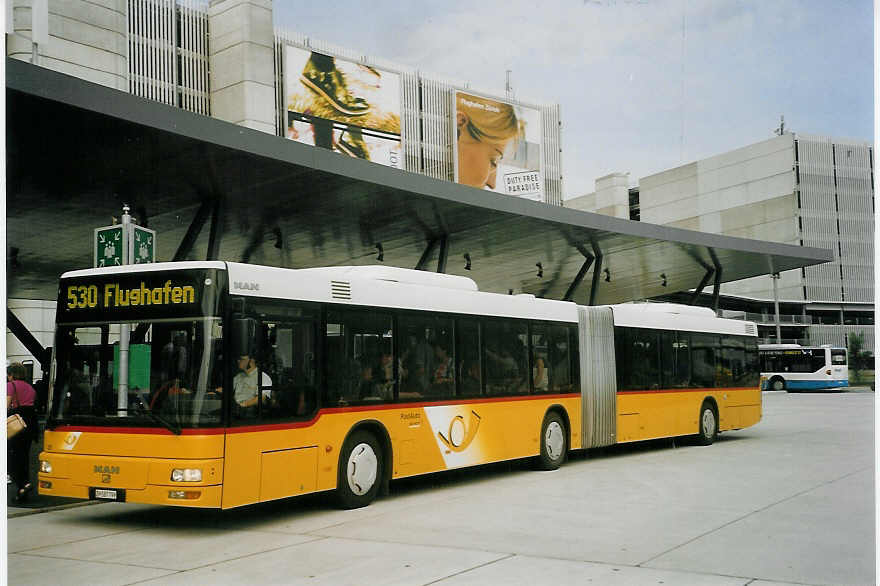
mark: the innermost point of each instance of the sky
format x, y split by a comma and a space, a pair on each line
643, 85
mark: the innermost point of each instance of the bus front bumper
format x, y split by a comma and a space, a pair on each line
132, 480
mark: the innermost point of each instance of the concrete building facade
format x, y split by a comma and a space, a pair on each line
795, 189
87, 40
225, 58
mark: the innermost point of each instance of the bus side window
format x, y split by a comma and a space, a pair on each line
575, 353
291, 365
467, 353
752, 375
675, 359
427, 357
360, 350
506, 355
541, 365
703, 360
559, 360
734, 359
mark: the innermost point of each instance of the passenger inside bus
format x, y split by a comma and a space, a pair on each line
385, 375
418, 362
470, 380
443, 381
367, 387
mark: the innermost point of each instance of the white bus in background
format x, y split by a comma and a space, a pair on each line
793, 367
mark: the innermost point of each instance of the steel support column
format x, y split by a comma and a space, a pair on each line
27, 339
444, 253
429, 250
597, 270
217, 223
705, 281
192, 233
579, 277
716, 290
595, 256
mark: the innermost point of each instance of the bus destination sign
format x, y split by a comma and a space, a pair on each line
140, 295
114, 295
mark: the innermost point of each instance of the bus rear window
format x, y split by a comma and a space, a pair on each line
838, 357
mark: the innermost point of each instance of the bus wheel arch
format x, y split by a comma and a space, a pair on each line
367, 442
555, 438
708, 422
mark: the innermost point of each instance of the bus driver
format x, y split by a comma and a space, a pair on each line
244, 384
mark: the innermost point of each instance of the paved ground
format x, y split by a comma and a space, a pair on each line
790, 501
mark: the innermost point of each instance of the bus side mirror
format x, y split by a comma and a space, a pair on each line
244, 330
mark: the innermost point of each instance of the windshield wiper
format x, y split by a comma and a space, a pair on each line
142, 410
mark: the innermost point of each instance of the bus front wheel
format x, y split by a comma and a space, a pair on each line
777, 384
360, 470
554, 442
708, 424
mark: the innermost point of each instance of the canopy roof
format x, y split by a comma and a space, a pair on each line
77, 151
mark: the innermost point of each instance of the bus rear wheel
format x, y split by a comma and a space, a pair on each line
708, 425
554, 442
360, 470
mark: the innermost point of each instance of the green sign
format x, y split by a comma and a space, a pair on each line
109, 246
143, 245
138, 367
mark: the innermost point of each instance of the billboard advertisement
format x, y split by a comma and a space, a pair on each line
349, 107
498, 146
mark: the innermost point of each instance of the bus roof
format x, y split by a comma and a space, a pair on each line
147, 267
673, 316
394, 287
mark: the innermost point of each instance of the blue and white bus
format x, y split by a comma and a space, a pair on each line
793, 367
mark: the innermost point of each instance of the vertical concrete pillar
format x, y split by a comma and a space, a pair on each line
612, 195
87, 40
241, 53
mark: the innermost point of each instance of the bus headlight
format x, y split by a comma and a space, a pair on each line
186, 475
45, 466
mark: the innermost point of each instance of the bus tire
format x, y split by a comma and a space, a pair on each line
708, 424
554, 442
360, 470
777, 383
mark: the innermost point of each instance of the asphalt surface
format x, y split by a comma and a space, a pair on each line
789, 501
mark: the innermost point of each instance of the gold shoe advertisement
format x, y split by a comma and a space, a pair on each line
351, 108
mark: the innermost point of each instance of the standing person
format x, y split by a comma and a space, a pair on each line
20, 396
484, 127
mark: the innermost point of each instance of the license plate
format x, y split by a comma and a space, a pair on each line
107, 494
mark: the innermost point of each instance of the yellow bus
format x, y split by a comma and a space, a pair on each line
214, 384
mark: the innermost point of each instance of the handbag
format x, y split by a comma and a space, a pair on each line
14, 425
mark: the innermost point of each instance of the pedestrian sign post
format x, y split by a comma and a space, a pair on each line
109, 246
143, 245
118, 245
124, 244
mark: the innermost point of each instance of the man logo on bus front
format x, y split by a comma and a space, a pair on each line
460, 436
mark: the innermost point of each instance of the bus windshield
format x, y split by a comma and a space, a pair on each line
171, 374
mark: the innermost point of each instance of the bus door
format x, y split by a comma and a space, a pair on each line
271, 448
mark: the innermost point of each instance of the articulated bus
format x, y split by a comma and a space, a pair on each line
214, 384
793, 367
